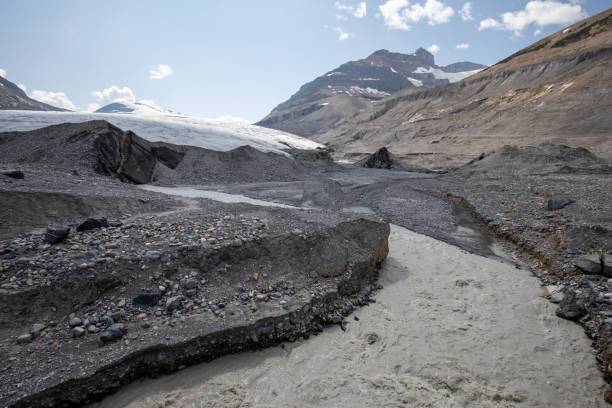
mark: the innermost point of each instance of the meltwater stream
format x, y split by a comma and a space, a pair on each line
192, 192
448, 329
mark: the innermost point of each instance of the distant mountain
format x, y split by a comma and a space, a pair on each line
557, 90
340, 93
126, 107
13, 98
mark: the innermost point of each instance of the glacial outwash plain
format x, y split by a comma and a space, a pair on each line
441, 237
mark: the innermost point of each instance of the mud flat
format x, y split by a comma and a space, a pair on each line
448, 329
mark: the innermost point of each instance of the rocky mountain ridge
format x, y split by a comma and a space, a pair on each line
14, 98
351, 87
557, 90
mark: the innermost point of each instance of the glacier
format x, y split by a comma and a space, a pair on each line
221, 134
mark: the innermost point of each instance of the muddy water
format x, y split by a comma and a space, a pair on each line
192, 192
449, 329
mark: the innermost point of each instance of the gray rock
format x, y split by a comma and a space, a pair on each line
153, 254
557, 203
191, 284
93, 223
37, 328
93, 329
24, 338
173, 303
78, 332
114, 332
590, 263
572, 307
56, 233
75, 321
607, 266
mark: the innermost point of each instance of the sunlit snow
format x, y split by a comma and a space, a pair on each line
439, 74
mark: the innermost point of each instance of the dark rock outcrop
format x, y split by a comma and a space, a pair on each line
575, 303
382, 159
16, 174
557, 203
92, 223
56, 233
146, 299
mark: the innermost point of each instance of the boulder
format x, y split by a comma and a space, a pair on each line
78, 332
557, 203
382, 159
93, 223
56, 233
573, 305
590, 263
113, 332
173, 303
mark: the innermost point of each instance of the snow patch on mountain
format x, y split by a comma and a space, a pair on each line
415, 82
440, 74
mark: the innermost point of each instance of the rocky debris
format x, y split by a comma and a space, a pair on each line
558, 203
56, 233
168, 301
92, 223
16, 174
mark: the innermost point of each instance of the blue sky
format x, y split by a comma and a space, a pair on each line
241, 58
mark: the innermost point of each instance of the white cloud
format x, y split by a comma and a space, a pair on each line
114, 94
58, 99
462, 46
490, 23
399, 14
434, 48
343, 35
22, 87
539, 12
466, 12
537, 32
358, 11
161, 72
2, 73
92, 107
341, 17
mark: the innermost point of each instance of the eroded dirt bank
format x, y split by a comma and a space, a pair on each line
448, 329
